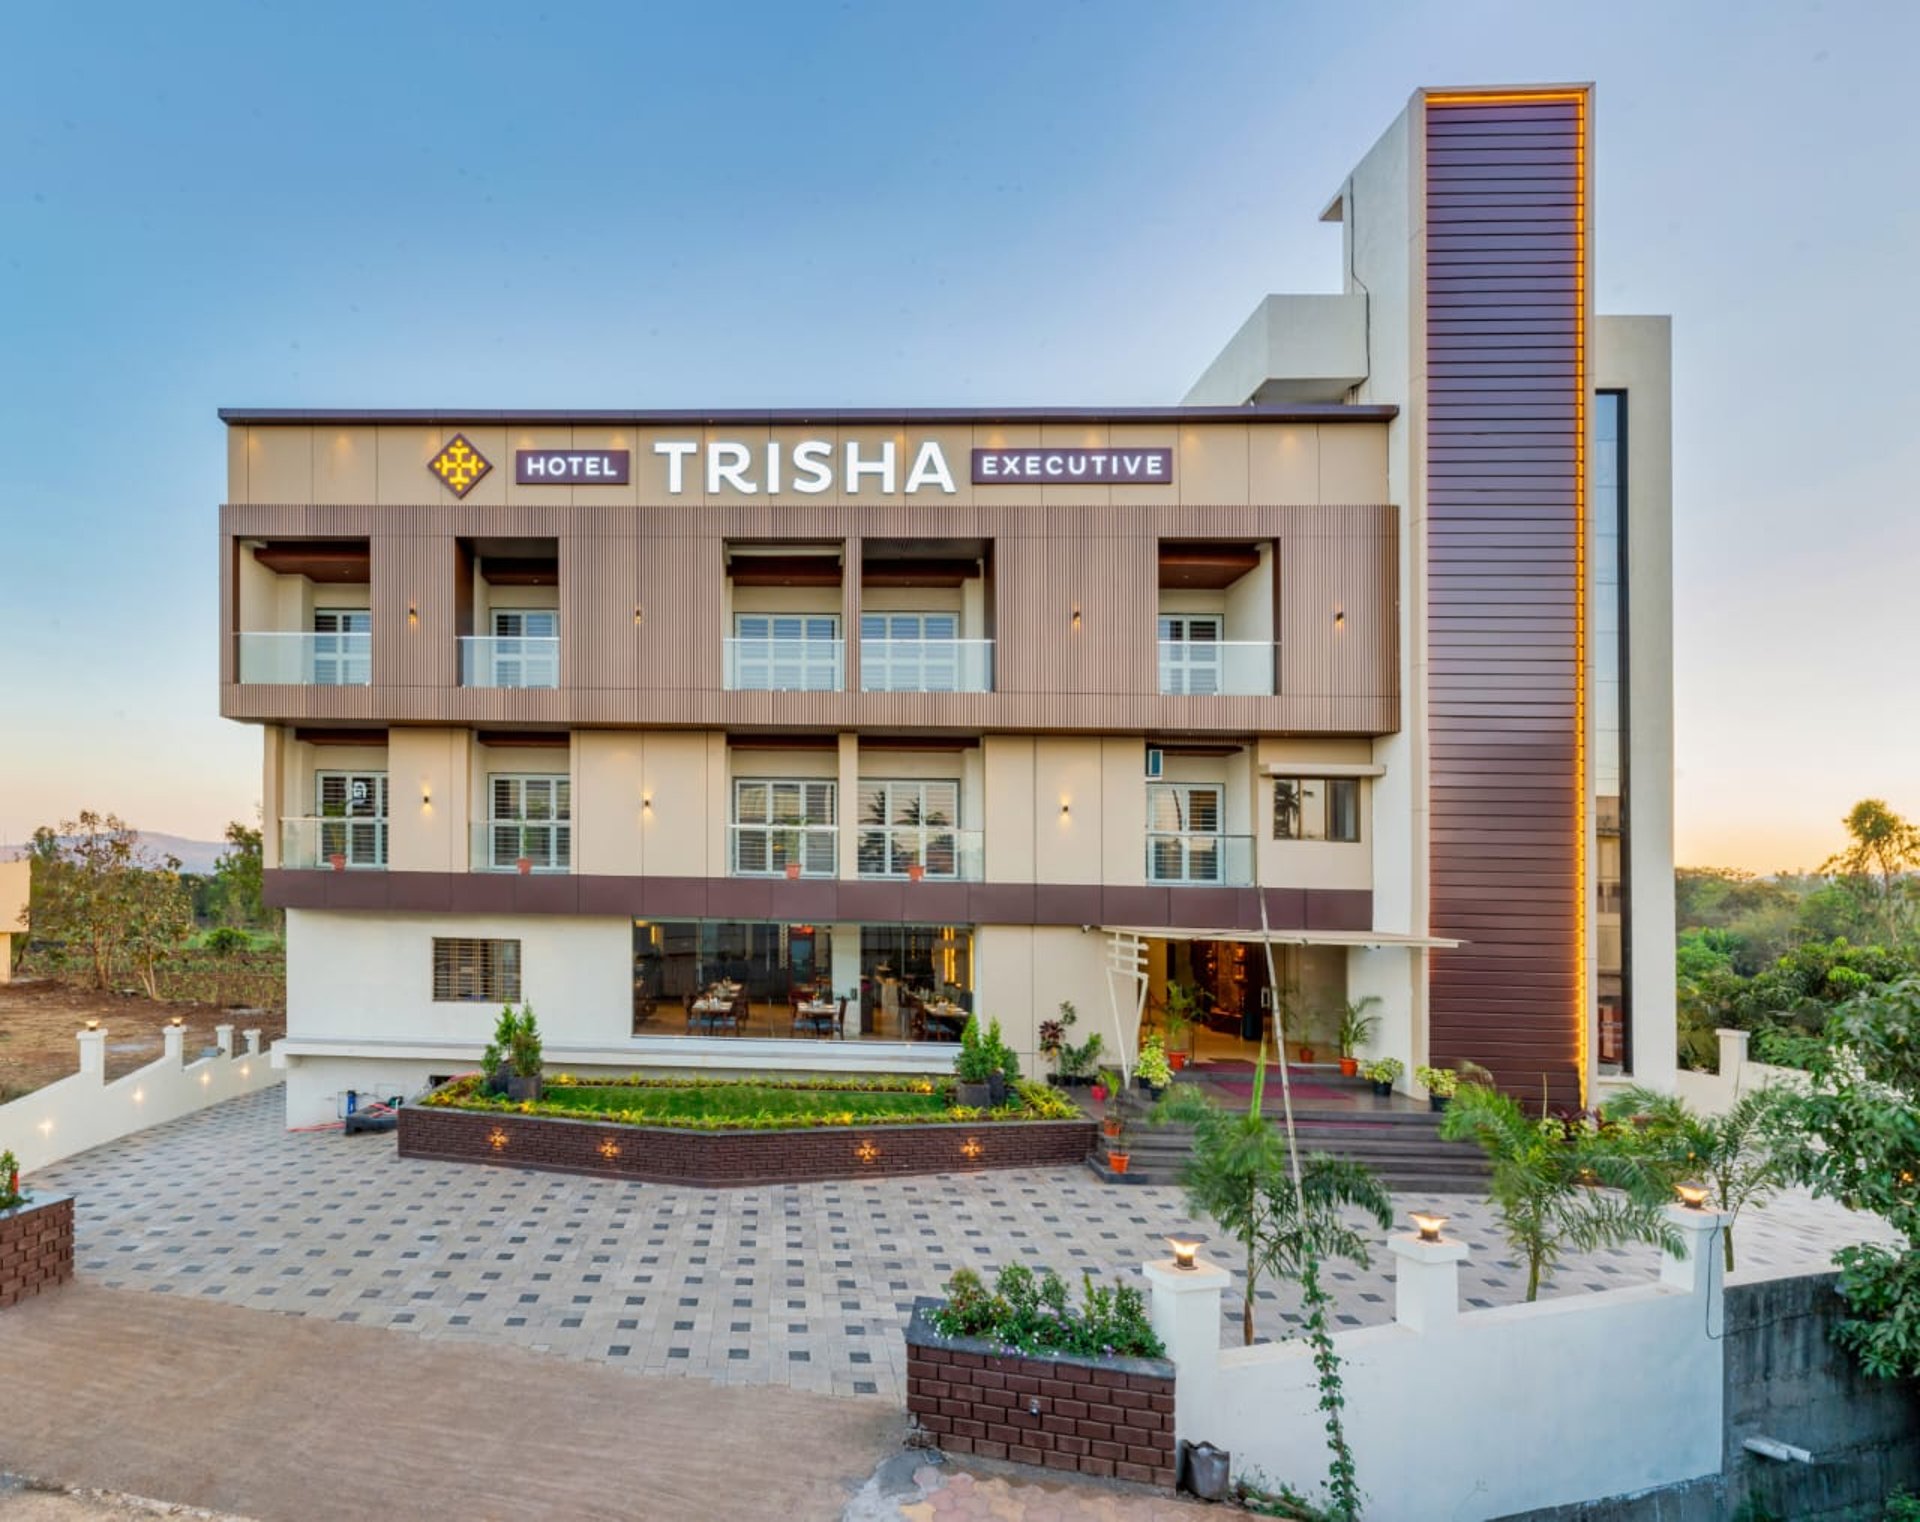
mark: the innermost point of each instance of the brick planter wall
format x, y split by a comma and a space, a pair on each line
36, 1246
667, 1154
1111, 1417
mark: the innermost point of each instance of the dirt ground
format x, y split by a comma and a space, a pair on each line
39, 1018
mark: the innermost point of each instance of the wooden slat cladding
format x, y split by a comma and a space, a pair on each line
641, 625
1506, 295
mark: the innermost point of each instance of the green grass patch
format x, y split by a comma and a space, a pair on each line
733, 1101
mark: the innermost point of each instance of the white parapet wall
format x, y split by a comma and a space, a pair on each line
86, 1111
1471, 1416
1717, 1093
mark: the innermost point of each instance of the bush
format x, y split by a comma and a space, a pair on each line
1032, 1314
10, 1194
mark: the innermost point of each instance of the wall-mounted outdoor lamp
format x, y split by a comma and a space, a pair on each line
413, 613
638, 618
1076, 618
1066, 810
1339, 618
1429, 1224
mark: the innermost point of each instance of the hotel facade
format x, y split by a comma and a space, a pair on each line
1361, 652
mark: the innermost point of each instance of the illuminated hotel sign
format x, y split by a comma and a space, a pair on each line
562, 467
815, 466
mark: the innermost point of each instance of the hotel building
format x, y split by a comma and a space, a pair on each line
1361, 652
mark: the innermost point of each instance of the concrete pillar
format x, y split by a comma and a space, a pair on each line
173, 1041
1185, 1309
252, 1038
845, 973
1733, 1053
1700, 1270
223, 1038
848, 812
1426, 1282
93, 1054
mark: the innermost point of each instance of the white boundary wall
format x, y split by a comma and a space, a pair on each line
86, 1111
1716, 1093
1471, 1416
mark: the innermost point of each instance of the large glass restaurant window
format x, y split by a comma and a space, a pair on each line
769, 980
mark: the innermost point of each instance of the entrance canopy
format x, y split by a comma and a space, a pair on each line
1288, 937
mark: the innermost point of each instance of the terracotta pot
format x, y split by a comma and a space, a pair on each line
524, 865
1176, 1060
1349, 1067
1109, 1128
1117, 1161
793, 870
1306, 1054
916, 872
1100, 1093
337, 861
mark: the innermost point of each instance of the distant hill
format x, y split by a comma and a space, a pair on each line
196, 856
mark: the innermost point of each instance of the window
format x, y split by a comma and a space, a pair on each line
526, 647
909, 652
1183, 833
797, 652
342, 647
779, 824
1612, 735
1316, 808
531, 818
352, 807
1190, 653
475, 972
909, 824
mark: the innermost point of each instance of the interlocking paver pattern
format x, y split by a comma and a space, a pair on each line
804, 1285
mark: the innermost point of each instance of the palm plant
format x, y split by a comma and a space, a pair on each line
1740, 1157
1543, 1173
1357, 1023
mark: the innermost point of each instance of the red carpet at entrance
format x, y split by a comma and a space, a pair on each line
1236, 1079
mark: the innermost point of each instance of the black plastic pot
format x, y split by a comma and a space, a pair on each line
519, 1088
1438, 1102
1384, 1090
973, 1096
497, 1079
997, 1089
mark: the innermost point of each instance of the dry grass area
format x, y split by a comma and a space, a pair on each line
39, 1018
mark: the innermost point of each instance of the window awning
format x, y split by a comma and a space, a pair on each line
1290, 937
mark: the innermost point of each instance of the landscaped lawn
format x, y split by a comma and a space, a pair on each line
715, 1101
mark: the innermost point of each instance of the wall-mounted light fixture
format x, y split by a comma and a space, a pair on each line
497, 1139
426, 794
609, 1149
1429, 1224
1339, 618
1693, 1196
971, 1147
867, 1152
413, 613
1076, 618
646, 802
1186, 1248
1066, 810
638, 617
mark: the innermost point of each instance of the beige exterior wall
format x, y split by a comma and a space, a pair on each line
16, 878
1023, 972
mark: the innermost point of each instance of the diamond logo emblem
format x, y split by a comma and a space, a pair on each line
459, 466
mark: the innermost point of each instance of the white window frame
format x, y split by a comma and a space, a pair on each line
352, 809
1313, 814
910, 652
342, 647
1178, 850
781, 821
786, 652
1191, 654
526, 647
908, 822
530, 814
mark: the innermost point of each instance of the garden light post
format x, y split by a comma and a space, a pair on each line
1426, 1280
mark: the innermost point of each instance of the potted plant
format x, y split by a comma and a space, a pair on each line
1439, 1083
496, 1062
1152, 1068
1075, 1063
973, 1069
1383, 1074
1181, 1008
524, 1056
1003, 1064
793, 871
337, 860
1117, 1157
1053, 1043
1357, 1026
915, 872
1107, 1086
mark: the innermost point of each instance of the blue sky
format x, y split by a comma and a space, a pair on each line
626, 205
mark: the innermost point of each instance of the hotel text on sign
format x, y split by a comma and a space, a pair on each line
560, 467
1069, 467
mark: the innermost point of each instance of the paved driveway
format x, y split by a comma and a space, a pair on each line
803, 1285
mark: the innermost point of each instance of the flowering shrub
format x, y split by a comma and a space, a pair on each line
1032, 1314
10, 1194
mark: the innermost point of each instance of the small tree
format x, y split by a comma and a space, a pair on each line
85, 878
1543, 1176
158, 910
1878, 863
240, 876
1740, 1157
1861, 1116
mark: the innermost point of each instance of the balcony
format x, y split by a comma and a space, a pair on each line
785, 665
501, 845
356, 844
936, 853
1195, 858
509, 661
783, 850
305, 660
1216, 668
926, 665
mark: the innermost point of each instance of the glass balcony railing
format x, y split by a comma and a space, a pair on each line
1197, 859
926, 665
784, 850
933, 853
1219, 668
785, 665
509, 661
305, 660
343, 844
544, 845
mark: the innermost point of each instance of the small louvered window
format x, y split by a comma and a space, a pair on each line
470, 972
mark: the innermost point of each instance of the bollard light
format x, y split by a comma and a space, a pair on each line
93, 1024
1693, 1196
1186, 1250
1429, 1224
